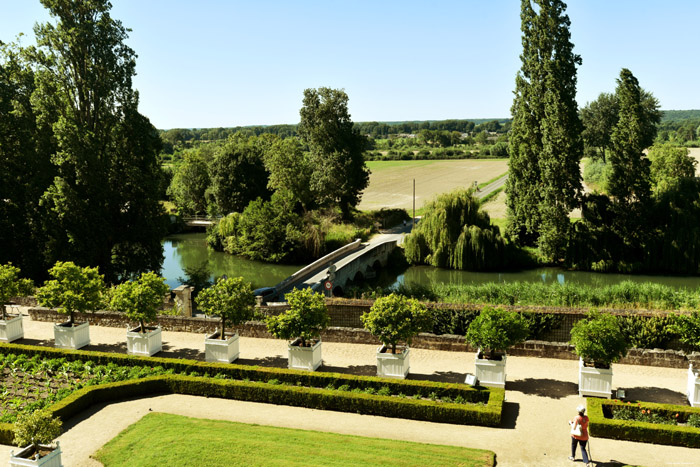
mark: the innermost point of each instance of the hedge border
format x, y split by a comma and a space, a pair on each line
642, 432
302, 389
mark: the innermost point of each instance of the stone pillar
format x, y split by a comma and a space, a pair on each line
183, 300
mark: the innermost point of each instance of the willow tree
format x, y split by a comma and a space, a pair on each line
104, 201
544, 182
455, 233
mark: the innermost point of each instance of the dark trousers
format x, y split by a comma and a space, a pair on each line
584, 454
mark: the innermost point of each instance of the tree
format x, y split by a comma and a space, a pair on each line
35, 428
599, 339
545, 144
496, 329
395, 318
72, 289
231, 299
305, 319
669, 164
11, 285
103, 201
140, 299
291, 169
629, 182
336, 149
189, 186
238, 173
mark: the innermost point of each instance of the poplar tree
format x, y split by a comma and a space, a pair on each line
545, 148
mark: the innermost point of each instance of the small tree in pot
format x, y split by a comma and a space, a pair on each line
232, 300
306, 317
395, 319
599, 342
140, 301
36, 431
11, 285
72, 289
688, 329
496, 329
492, 332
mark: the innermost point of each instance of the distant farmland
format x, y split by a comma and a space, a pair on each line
391, 182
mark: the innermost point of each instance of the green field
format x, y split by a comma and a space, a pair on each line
174, 440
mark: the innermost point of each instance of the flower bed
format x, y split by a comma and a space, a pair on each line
645, 422
70, 381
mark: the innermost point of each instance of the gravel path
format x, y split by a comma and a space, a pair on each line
541, 396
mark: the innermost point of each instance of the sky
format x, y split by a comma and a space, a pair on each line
225, 63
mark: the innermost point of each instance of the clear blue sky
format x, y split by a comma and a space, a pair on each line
225, 63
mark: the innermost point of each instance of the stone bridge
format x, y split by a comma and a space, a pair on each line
353, 262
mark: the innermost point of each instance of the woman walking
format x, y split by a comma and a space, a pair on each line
579, 433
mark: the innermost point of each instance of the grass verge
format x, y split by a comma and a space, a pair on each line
182, 441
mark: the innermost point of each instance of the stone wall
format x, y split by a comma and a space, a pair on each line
354, 335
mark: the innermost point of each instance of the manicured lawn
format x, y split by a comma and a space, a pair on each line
173, 440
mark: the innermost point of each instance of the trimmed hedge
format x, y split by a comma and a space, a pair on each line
301, 389
644, 432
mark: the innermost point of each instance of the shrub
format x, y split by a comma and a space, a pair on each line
395, 319
231, 299
688, 329
11, 285
599, 339
496, 329
140, 299
35, 428
305, 319
72, 289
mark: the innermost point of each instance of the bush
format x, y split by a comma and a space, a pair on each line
72, 289
35, 428
140, 299
599, 339
688, 329
395, 319
496, 329
231, 299
11, 285
305, 319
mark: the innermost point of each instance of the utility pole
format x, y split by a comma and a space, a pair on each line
413, 219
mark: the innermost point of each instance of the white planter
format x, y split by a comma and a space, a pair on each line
11, 329
71, 337
148, 343
305, 358
53, 459
217, 350
391, 365
490, 373
594, 381
693, 386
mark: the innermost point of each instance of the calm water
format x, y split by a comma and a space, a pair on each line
187, 250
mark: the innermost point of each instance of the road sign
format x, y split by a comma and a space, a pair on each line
328, 285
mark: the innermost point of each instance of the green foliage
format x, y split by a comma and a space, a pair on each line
455, 233
496, 329
669, 164
603, 425
140, 299
231, 299
335, 148
189, 185
11, 285
197, 276
650, 332
291, 169
596, 173
38, 427
687, 326
305, 319
599, 339
72, 289
395, 319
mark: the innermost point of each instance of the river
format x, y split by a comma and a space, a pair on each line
189, 250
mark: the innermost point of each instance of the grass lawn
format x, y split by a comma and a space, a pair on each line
174, 440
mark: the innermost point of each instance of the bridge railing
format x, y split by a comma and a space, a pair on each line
201, 218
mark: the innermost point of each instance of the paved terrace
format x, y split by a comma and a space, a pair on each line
541, 395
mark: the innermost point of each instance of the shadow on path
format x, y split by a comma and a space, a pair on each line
551, 388
190, 354
509, 415
272, 362
657, 395
440, 377
365, 370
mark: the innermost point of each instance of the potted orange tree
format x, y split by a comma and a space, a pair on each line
599, 342
688, 329
302, 323
36, 431
491, 333
72, 289
233, 301
394, 320
11, 285
140, 300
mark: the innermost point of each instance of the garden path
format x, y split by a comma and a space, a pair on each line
541, 396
